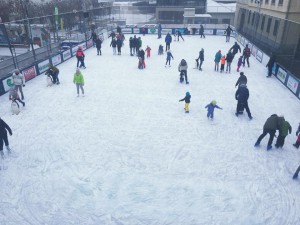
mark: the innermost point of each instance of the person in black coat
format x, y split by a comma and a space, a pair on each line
228, 33
119, 45
296, 173
3, 136
229, 58
94, 37
201, 31
112, 35
242, 79
242, 95
131, 46
235, 48
270, 64
98, 45
201, 58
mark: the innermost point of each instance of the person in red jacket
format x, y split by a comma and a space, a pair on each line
246, 55
80, 57
148, 50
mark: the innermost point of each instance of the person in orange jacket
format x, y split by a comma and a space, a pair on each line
223, 60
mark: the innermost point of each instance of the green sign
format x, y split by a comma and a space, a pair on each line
9, 82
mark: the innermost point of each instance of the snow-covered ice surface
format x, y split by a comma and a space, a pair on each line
127, 154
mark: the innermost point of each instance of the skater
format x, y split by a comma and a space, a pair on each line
14, 96
223, 60
119, 30
246, 54
3, 137
296, 173
94, 37
131, 46
79, 81
235, 48
98, 45
112, 35
169, 56
119, 44
148, 50
160, 50
178, 34
272, 124
141, 56
159, 28
53, 72
187, 100
228, 32
270, 64
229, 59
201, 58
80, 57
201, 31
242, 79
18, 81
182, 68
217, 60
283, 132
240, 61
113, 44
242, 95
211, 108
297, 144
168, 40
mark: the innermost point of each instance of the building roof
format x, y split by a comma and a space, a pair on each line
215, 7
197, 16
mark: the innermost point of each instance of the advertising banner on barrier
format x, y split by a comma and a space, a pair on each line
165, 31
221, 32
152, 30
238, 38
30, 73
209, 31
43, 66
281, 74
56, 60
89, 43
66, 55
127, 31
254, 51
243, 41
7, 83
259, 55
136, 30
292, 84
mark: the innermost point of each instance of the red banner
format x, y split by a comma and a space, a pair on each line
29, 73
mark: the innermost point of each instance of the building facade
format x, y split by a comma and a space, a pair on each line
273, 26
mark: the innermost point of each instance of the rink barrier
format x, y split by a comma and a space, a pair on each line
289, 80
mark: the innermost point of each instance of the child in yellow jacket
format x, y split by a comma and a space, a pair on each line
79, 81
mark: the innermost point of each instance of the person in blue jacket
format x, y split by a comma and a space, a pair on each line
187, 100
211, 108
169, 56
168, 40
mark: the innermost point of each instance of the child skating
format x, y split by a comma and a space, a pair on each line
223, 59
210, 109
187, 100
240, 61
79, 81
169, 56
148, 50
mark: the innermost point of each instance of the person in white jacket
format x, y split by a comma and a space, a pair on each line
182, 68
18, 81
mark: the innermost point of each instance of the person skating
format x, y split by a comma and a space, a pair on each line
240, 62
178, 34
297, 144
135, 45
3, 137
242, 79
14, 96
131, 46
270, 64
296, 173
223, 60
80, 57
159, 29
211, 108
201, 31
246, 55
182, 68
141, 56
228, 33
160, 50
272, 124
229, 59
79, 81
217, 60
18, 81
235, 48
242, 96
119, 44
148, 50
201, 58
283, 132
53, 72
93, 37
187, 100
169, 56
113, 44
98, 45
112, 35
168, 40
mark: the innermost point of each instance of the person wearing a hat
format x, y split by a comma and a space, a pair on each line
18, 81
217, 60
80, 57
242, 79
3, 137
187, 100
79, 81
211, 108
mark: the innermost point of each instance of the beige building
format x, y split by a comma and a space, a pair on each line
273, 26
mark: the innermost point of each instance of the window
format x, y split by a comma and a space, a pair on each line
276, 25
253, 17
262, 23
225, 21
273, 2
280, 2
267, 2
269, 25
249, 16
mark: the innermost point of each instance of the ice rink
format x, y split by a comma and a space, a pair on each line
128, 154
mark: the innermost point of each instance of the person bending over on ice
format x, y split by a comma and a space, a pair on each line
283, 132
187, 100
3, 137
211, 108
14, 96
53, 72
79, 81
